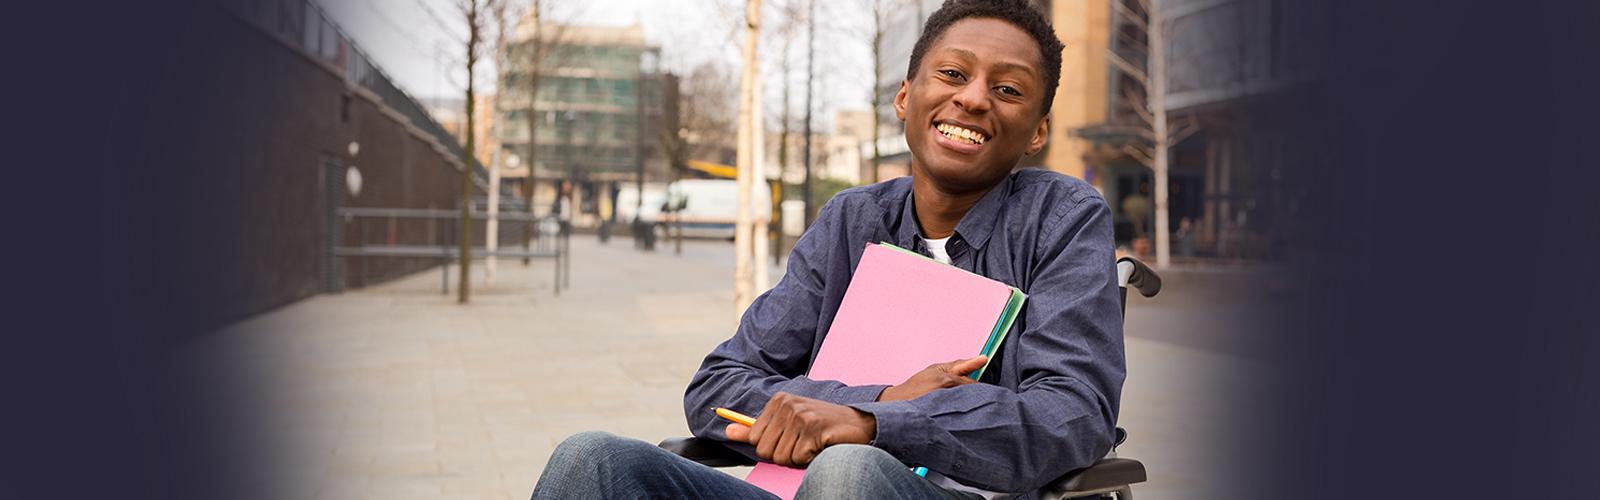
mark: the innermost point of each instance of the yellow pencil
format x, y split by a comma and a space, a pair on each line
736, 416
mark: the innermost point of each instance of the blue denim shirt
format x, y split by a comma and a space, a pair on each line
1047, 403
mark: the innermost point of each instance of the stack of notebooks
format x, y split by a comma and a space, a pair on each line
902, 312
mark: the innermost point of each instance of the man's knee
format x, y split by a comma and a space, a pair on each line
586, 452
589, 444
588, 464
854, 456
849, 468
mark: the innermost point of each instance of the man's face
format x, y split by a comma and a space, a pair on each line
973, 106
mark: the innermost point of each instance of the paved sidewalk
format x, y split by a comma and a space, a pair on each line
397, 392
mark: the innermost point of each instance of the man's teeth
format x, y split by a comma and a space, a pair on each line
962, 134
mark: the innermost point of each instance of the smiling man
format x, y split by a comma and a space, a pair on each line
975, 102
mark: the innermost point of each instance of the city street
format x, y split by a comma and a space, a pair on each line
397, 392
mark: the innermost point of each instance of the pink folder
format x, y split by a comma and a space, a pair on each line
901, 313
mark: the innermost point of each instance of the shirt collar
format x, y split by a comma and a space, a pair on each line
974, 228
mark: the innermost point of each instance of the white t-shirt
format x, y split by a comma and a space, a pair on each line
936, 247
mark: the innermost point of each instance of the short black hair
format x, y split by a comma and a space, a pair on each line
1017, 12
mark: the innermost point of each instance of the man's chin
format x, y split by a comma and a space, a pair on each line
957, 177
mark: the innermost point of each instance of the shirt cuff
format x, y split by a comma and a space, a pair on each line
897, 422
831, 391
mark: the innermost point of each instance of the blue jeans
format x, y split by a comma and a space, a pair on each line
600, 465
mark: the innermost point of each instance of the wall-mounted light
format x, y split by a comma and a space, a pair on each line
352, 178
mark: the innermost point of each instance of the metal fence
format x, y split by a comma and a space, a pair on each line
550, 239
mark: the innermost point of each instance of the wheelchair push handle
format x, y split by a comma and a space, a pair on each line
1133, 273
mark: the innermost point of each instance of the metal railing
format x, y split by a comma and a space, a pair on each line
551, 239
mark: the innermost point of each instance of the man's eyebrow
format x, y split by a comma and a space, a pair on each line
1001, 66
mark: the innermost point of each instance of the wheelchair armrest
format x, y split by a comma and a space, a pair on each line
1108, 474
709, 452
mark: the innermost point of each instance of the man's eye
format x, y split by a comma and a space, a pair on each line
1009, 90
951, 73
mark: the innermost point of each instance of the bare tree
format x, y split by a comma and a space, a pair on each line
880, 10
1147, 99
501, 15
538, 51
811, 51
708, 112
477, 15
707, 122
793, 15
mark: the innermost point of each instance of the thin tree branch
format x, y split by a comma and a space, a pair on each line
1140, 107
1133, 43
1144, 5
446, 30
1129, 68
1142, 155
1184, 130
1128, 14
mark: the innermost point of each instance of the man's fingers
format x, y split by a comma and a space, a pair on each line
767, 439
805, 451
769, 426
756, 431
738, 432
783, 454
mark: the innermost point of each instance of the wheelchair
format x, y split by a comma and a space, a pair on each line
1111, 477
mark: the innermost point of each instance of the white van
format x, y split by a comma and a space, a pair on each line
707, 207
655, 196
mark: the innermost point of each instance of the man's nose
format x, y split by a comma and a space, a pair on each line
973, 98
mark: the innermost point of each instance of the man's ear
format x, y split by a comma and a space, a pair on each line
1041, 135
900, 101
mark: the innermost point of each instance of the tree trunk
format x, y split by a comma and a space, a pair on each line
877, 93
491, 230
760, 241
783, 151
464, 289
1158, 109
533, 126
811, 50
532, 161
742, 276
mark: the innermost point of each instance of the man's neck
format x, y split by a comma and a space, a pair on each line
938, 211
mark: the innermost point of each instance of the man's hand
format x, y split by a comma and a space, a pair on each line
935, 377
792, 430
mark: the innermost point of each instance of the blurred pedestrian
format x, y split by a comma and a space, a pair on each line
1185, 237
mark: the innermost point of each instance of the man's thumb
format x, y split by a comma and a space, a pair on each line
738, 432
967, 366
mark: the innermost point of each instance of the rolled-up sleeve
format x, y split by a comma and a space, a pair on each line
1071, 361
776, 336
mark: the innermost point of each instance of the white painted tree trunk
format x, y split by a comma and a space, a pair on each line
492, 226
742, 271
1158, 109
761, 240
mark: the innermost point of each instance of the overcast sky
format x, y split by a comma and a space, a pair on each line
418, 42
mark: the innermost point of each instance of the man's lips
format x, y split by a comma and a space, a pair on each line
952, 144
